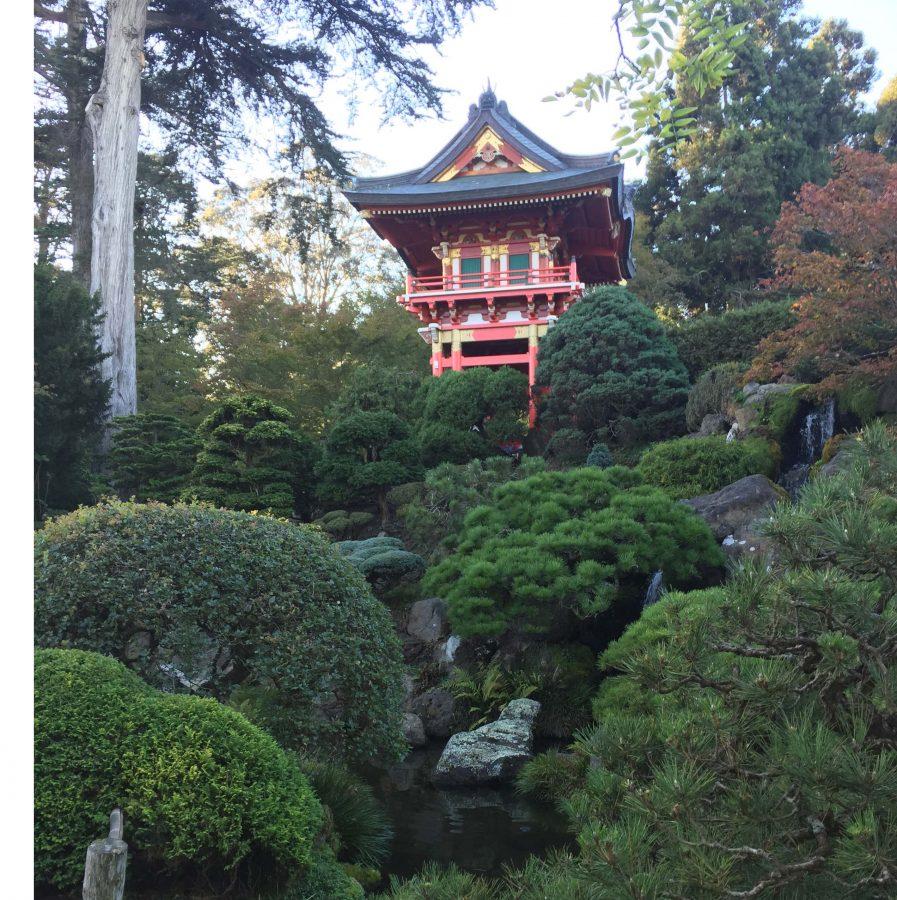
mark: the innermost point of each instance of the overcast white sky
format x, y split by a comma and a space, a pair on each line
530, 48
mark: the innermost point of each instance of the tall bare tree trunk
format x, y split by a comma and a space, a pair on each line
78, 140
113, 114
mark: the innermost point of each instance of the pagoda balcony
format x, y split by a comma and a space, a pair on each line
431, 289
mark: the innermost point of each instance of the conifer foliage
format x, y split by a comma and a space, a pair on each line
611, 372
251, 459
766, 762
151, 457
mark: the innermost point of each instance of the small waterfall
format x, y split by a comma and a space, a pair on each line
655, 589
817, 427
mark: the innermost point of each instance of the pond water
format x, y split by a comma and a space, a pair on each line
479, 829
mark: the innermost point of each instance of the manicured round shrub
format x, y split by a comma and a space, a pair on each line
204, 600
688, 467
567, 542
203, 791
611, 372
710, 393
567, 448
383, 561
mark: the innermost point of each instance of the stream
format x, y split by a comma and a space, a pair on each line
479, 829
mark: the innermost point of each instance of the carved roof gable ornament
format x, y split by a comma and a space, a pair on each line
488, 154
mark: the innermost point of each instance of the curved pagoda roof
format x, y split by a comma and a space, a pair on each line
517, 169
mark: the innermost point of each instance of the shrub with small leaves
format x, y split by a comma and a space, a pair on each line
600, 457
710, 394
383, 561
687, 467
208, 601
205, 794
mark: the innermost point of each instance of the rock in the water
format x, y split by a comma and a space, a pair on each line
436, 709
427, 620
494, 752
737, 506
413, 730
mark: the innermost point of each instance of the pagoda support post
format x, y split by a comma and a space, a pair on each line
456, 350
531, 371
435, 350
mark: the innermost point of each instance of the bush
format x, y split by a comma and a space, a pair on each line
687, 467
342, 524
567, 448
600, 457
204, 600
482, 693
430, 512
70, 397
710, 339
769, 724
434, 883
611, 372
469, 415
710, 393
383, 561
151, 457
567, 542
203, 791
360, 829
251, 459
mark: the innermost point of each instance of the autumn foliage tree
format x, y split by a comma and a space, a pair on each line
835, 249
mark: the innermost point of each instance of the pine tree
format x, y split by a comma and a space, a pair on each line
611, 373
251, 459
70, 397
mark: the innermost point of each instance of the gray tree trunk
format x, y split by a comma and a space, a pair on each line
78, 140
113, 114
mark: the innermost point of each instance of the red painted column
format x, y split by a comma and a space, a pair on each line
456, 350
533, 351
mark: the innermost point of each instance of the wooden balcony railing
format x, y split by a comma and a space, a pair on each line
491, 280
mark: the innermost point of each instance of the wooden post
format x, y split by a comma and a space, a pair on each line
107, 859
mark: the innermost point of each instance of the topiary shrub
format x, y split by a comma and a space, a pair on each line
205, 600
204, 792
383, 561
151, 457
342, 524
690, 466
611, 372
469, 415
600, 457
710, 339
567, 542
251, 459
710, 393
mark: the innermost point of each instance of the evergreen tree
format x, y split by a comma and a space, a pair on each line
151, 457
611, 372
70, 397
471, 414
794, 95
747, 749
365, 454
251, 459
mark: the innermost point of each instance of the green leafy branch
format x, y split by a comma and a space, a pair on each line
651, 57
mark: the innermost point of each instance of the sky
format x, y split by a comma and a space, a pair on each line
528, 55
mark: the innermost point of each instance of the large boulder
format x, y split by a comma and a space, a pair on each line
436, 709
427, 620
735, 512
494, 752
413, 730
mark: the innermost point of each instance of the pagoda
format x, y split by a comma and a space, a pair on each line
500, 233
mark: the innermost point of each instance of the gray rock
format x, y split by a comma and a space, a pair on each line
713, 423
737, 506
762, 391
413, 730
427, 620
494, 752
436, 709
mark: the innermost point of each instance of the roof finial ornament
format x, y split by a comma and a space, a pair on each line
487, 98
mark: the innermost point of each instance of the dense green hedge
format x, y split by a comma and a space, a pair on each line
710, 393
220, 599
687, 467
563, 542
707, 340
203, 790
